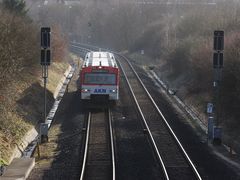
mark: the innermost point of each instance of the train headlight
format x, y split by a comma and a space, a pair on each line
85, 90
113, 91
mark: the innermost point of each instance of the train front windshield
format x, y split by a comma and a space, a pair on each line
100, 78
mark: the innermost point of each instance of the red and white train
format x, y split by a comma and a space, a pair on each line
99, 76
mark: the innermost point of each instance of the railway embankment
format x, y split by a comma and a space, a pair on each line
181, 85
65, 139
180, 98
23, 109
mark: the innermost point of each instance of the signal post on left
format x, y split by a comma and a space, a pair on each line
45, 62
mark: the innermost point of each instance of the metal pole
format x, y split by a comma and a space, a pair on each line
217, 88
217, 104
44, 126
45, 98
44, 75
215, 101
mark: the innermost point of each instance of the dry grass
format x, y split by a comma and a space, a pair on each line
55, 74
48, 150
21, 108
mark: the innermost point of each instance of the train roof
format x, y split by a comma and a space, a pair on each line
98, 58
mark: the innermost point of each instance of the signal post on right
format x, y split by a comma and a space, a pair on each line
213, 109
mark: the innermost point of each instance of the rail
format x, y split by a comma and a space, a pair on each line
86, 147
146, 125
88, 151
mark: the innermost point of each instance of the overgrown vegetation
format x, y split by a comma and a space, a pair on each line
186, 48
20, 85
198, 57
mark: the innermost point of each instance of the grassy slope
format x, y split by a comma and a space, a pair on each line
21, 106
197, 99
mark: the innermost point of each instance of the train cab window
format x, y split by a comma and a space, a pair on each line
98, 78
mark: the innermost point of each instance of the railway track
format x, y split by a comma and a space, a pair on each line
173, 158
137, 146
99, 160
